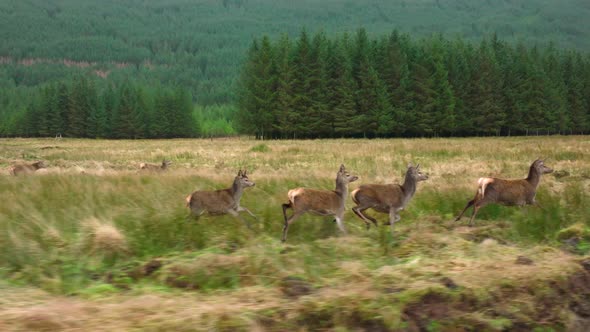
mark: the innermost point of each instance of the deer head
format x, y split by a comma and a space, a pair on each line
415, 173
540, 167
344, 177
242, 179
39, 164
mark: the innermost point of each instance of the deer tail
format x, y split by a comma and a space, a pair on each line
353, 196
188, 200
482, 183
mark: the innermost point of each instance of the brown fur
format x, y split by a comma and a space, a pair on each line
386, 198
27, 168
518, 192
221, 201
155, 168
320, 202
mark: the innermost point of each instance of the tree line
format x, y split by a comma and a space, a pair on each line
84, 108
396, 86
200, 45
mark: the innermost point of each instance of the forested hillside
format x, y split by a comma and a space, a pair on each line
201, 45
392, 86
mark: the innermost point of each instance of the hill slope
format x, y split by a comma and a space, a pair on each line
201, 44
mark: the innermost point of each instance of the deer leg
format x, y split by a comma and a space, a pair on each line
393, 217
237, 215
397, 218
359, 212
195, 212
476, 208
241, 208
289, 222
340, 224
285, 207
469, 204
536, 204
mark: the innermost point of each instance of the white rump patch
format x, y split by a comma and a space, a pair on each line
353, 195
294, 193
482, 183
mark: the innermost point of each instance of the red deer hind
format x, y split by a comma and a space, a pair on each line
507, 192
320, 202
27, 168
386, 198
221, 201
155, 168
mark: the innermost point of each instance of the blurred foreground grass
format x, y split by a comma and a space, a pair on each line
124, 248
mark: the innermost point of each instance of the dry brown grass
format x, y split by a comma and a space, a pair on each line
487, 272
233, 282
102, 237
372, 159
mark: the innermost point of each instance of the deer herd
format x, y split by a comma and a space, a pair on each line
384, 198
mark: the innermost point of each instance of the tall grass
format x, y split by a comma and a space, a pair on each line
91, 219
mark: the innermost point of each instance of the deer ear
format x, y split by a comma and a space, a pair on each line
245, 171
240, 173
341, 168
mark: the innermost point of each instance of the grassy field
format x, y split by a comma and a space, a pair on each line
91, 244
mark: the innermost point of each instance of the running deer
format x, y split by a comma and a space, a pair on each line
507, 192
27, 168
386, 198
221, 201
155, 168
321, 202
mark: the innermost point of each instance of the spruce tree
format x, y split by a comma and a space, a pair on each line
484, 99
302, 102
339, 92
246, 92
283, 73
443, 113
124, 118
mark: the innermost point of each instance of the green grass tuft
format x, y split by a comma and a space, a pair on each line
260, 148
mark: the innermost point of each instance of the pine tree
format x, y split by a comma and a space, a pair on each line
302, 101
246, 93
484, 99
79, 107
370, 99
60, 123
283, 73
339, 92
459, 76
125, 115
316, 114
576, 102
185, 125
443, 113
394, 73
109, 105
162, 121
97, 123
423, 97
264, 83
556, 92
